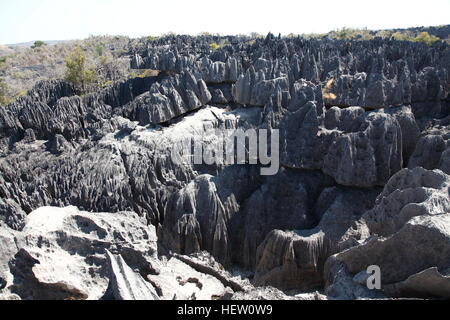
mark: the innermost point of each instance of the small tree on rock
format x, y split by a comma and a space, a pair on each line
214, 46
77, 70
4, 100
426, 38
38, 44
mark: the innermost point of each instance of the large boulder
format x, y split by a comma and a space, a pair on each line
430, 283
409, 234
421, 244
196, 277
8, 248
409, 193
61, 253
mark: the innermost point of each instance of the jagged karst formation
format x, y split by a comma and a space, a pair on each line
93, 206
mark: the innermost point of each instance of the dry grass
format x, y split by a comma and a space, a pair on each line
326, 91
144, 73
22, 67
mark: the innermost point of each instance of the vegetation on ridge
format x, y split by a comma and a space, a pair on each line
78, 72
22, 67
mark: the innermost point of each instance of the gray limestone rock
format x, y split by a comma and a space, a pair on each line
61, 253
12, 214
292, 196
351, 115
428, 152
202, 215
409, 127
421, 244
408, 194
429, 283
369, 154
125, 284
295, 259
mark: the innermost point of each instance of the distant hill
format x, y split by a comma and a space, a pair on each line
31, 43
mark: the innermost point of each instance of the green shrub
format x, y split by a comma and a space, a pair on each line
143, 73
132, 75
17, 75
77, 71
385, 34
214, 46
423, 37
426, 38
350, 33
169, 34
38, 44
3, 62
99, 49
104, 84
4, 99
399, 36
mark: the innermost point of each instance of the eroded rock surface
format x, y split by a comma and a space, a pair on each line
351, 117
61, 253
125, 284
409, 232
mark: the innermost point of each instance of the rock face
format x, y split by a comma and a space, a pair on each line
426, 284
364, 160
295, 259
292, 195
357, 148
369, 156
409, 194
197, 219
125, 284
409, 233
409, 127
168, 99
69, 258
432, 149
405, 254
61, 253
12, 214
204, 214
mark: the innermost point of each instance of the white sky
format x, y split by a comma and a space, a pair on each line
26, 20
